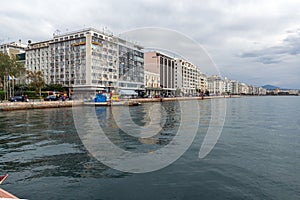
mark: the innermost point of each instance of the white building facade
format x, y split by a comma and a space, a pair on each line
87, 59
188, 76
178, 77
216, 85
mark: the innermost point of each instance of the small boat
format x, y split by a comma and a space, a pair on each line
4, 195
2, 178
133, 103
114, 103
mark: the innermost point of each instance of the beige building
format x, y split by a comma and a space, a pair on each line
177, 76
152, 83
16, 50
202, 82
164, 66
13, 48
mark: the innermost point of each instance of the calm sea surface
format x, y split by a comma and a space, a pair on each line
256, 157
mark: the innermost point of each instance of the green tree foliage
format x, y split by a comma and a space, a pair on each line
9, 67
207, 93
53, 87
36, 80
2, 95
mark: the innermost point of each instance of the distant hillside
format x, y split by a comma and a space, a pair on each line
270, 87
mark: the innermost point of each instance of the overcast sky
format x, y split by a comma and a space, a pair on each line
256, 42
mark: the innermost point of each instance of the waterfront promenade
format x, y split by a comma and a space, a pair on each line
9, 106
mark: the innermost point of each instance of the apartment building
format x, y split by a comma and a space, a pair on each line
234, 87
262, 91
177, 76
88, 60
227, 86
189, 80
202, 82
38, 58
152, 83
131, 67
13, 49
216, 85
243, 88
163, 65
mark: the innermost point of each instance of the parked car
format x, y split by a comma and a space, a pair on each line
19, 98
51, 98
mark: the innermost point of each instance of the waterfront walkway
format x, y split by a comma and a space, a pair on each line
8, 106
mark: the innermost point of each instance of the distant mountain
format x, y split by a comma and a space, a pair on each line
270, 87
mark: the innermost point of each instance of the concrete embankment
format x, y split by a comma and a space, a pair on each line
182, 98
7, 106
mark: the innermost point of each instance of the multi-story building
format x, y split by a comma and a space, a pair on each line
177, 76
189, 80
16, 50
262, 91
38, 58
131, 67
88, 60
163, 65
216, 85
234, 87
152, 83
13, 49
243, 88
202, 80
252, 90
227, 86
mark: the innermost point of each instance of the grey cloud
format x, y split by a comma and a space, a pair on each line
290, 46
268, 60
222, 27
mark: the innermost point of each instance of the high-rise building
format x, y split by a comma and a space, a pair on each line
177, 76
163, 65
189, 80
131, 67
89, 60
38, 57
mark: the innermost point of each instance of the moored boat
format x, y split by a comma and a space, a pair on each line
4, 195
114, 103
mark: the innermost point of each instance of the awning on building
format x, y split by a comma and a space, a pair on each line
128, 92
